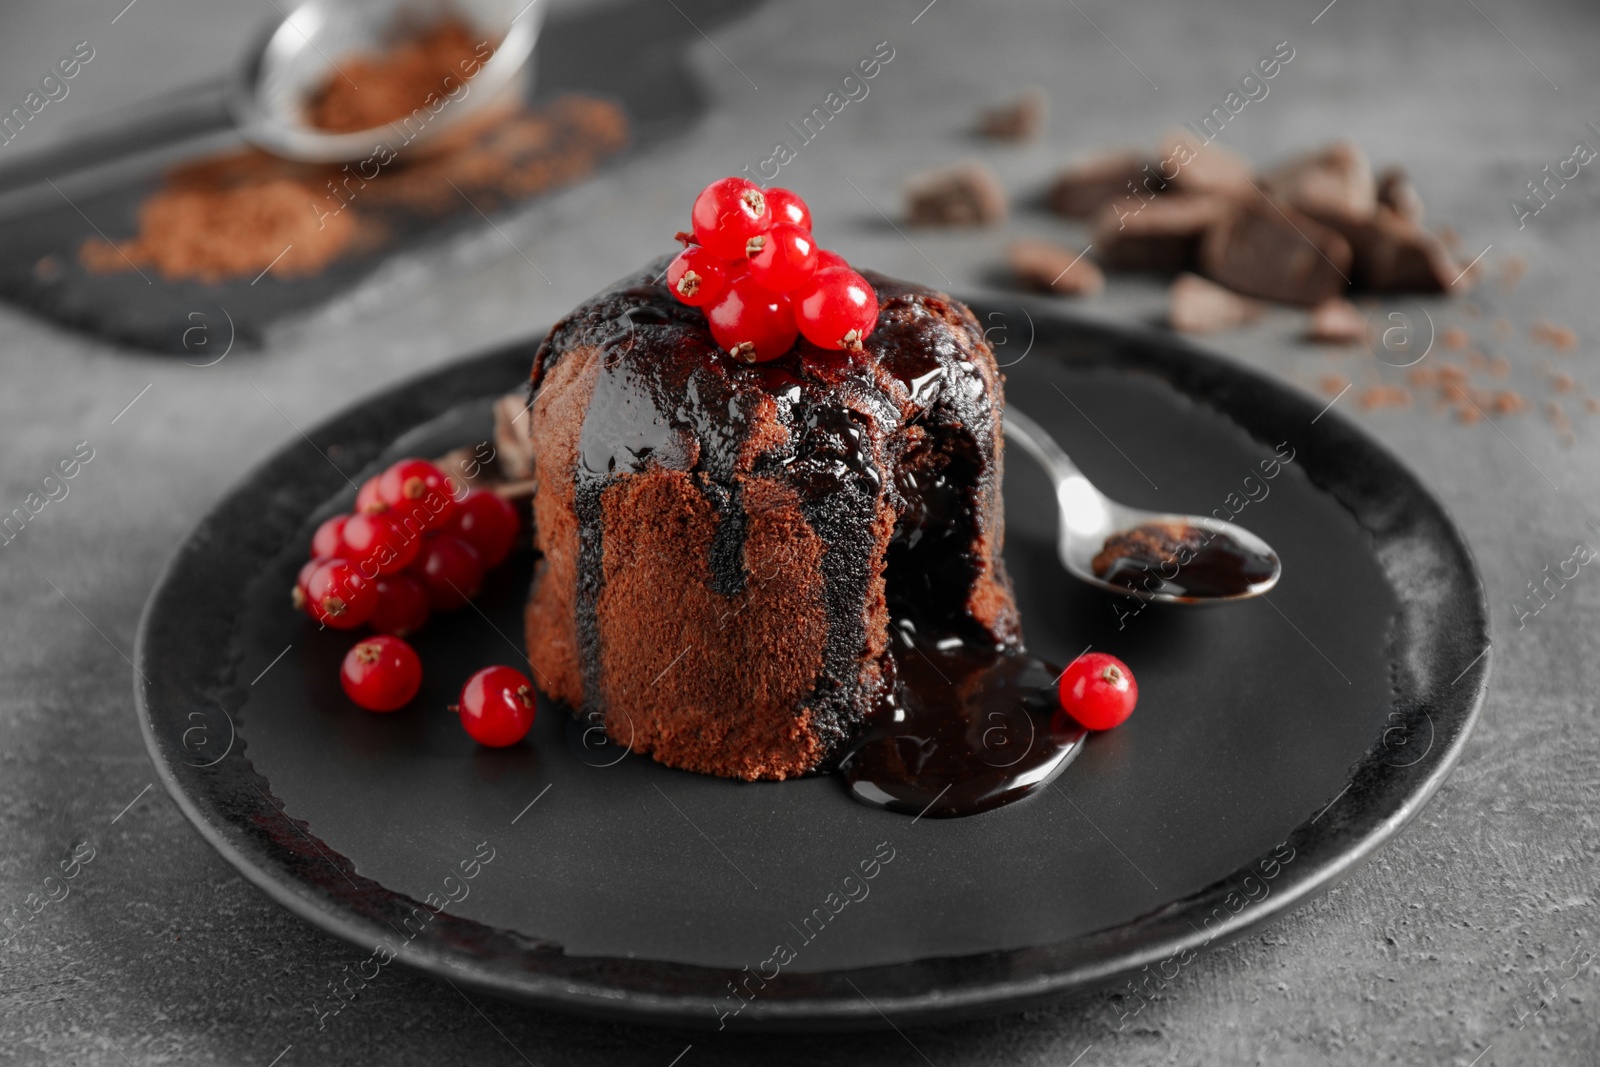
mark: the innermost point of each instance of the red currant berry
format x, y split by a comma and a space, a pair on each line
786, 259
367, 500
301, 598
787, 207
727, 214
827, 259
328, 540
379, 544
1098, 691
497, 706
403, 605
696, 277
451, 570
489, 524
339, 596
419, 491
381, 673
837, 308
751, 322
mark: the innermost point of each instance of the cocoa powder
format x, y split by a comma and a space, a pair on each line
371, 90
243, 213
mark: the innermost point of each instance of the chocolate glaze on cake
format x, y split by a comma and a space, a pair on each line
725, 545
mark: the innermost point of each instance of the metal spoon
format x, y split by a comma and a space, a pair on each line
263, 99
1088, 517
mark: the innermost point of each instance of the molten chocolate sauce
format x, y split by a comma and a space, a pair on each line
1221, 567
962, 730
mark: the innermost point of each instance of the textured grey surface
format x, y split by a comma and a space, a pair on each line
1480, 911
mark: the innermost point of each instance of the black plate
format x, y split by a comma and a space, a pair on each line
1276, 745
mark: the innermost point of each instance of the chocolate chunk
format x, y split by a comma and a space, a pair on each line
1085, 187
1396, 191
1021, 119
1193, 166
1162, 235
1195, 305
1268, 250
1335, 181
1049, 268
1395, 255
962, 194
1336, 322
513, 447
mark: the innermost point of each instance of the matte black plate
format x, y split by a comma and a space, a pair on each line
1277, 742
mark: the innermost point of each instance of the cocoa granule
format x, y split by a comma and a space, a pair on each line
370, 90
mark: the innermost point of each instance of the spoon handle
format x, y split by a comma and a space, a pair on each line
1040, 445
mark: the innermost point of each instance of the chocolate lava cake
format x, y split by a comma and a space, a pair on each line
725, 546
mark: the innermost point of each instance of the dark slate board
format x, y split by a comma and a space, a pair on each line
633, 53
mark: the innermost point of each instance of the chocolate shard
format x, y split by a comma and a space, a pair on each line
1050, 268
1336, 322
1395, 255
962, 194
1083, 188
1396, 191
513, 448
1196, 166
1021, 119
1163, 235
1270, 251
1333, 181
1195, 305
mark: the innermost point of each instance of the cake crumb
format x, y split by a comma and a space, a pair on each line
1455, 338
1423, 376
1334, 384
1511, 272
1500, 367
1592, 404
1507, 402
1468, 415
1558, 418
1563, 383
1385, 396
1557, 337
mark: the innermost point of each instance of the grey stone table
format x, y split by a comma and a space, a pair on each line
1441, 951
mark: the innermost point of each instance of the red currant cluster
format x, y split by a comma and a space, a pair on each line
414, 546
753, 266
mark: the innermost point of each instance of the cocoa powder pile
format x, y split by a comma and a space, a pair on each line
372, 90
244, 213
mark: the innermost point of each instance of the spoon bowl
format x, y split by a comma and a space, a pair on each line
1226, 562
293, 56
263, 98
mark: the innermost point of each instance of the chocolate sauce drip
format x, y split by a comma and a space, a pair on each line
962, 730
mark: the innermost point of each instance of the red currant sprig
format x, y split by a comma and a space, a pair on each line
415, 544
753, 266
